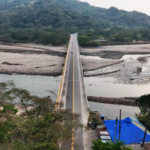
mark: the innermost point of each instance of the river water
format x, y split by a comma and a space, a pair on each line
108, 87
41, 86
119, 85
101, 86
44, 86
112, 111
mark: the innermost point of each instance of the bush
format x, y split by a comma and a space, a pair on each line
39, 128
99, 145
86, 41
5, 127
2, 137
143, 119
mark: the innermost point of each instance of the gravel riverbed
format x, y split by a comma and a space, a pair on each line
113, 71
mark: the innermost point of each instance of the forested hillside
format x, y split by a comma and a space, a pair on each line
51, 21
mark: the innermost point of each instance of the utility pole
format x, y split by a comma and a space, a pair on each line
145, 129
120, 125
115, 129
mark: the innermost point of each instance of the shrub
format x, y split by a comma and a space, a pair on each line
99, 145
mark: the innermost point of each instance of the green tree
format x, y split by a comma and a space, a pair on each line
50, 38
99, 145
5, 92
83, 40
144, 103
39, 127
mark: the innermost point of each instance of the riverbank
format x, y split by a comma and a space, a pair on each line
133, 69
91, 63
34, 59
118, 101
104, 73
31, 59
116, 51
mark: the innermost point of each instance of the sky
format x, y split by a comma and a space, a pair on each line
128, 5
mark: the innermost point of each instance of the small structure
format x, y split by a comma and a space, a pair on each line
132, 131
103, 133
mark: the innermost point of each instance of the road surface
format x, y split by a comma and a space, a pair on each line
74, 93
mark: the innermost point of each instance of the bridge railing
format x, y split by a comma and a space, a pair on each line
62, 86
60, 91
83, 84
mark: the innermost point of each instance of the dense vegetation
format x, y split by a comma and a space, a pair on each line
144, 104
39, 127
117, 35
99, 145
51, 22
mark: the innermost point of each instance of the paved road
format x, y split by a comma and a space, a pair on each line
74, 95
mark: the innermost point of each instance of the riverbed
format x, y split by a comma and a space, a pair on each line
127, 82
44, 86
131, 80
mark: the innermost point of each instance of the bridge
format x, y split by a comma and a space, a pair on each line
72, 92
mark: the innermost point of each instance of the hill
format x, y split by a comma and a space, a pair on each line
47, 21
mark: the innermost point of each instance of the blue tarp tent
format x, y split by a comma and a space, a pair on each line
132, 131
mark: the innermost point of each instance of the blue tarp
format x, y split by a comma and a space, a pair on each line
131, 131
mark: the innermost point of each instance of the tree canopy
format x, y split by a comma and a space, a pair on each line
51, 21
99, 145
144, 103
38, 127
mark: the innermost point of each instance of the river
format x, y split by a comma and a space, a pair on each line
44, 86
125, 83
41, 86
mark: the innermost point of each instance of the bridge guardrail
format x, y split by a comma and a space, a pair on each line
83, 84
62, 81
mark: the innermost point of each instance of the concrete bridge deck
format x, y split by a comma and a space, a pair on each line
72, 92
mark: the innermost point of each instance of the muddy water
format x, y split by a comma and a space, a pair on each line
125, 83
112, 111
108, 87
41, 86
